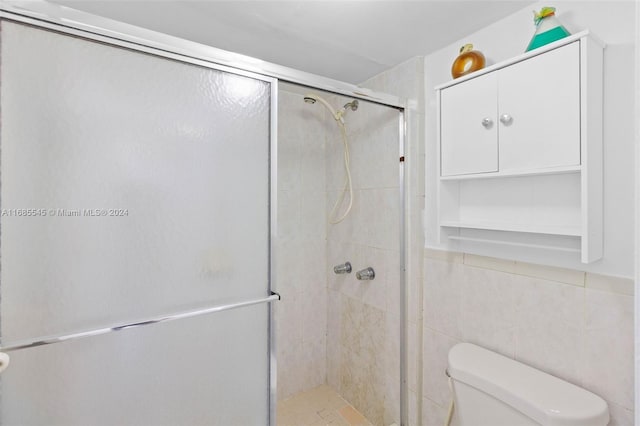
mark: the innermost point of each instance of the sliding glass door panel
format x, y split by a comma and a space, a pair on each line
149, 177
131, 186
197, 371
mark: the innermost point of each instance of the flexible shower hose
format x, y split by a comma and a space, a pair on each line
347, 183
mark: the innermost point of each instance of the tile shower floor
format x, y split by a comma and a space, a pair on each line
320, 406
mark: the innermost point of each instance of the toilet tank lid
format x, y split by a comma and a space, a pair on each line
544, 398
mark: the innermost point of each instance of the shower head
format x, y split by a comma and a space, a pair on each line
337, 114
353, 105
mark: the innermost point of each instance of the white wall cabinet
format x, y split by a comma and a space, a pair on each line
522, 117
468, 132
521, 151
539, 111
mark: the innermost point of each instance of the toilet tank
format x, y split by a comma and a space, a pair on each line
493, 390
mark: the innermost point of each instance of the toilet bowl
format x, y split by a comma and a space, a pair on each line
493, 390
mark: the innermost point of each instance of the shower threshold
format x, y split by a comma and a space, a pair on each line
318, 407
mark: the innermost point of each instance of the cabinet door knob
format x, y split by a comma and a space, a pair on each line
486, 123
506, 119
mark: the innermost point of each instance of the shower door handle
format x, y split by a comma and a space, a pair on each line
171, 317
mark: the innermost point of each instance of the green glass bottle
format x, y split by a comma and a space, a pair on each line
548, 28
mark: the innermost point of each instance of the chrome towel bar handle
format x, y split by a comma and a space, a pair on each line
40, 341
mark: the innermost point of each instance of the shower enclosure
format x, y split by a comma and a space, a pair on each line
335, 329
149, 218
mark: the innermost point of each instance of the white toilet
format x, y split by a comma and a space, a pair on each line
493, 390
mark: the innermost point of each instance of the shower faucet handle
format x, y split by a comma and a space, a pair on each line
344, 268
366, 274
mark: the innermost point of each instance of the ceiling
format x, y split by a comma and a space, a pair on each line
345, 40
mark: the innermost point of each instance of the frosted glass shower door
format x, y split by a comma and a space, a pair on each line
133, 186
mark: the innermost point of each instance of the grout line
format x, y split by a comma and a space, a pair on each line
607, 283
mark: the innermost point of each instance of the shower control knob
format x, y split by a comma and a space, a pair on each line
486, 122
366, 274
344, 268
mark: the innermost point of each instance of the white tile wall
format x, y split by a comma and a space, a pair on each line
488, 311
405, 80
301, 315
368, 237
334, 328
611, 284
550, 326
435, 349
620, 416
583, 335
432, 414
608, 356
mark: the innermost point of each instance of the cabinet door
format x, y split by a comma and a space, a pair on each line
539, 111
467, 144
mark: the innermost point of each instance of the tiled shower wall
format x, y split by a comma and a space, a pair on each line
333, 328
407, 81
363, 316
300, 317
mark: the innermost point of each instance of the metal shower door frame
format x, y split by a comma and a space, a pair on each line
41, 22
75, 23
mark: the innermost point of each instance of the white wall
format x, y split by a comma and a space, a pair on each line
613, 23
569, 319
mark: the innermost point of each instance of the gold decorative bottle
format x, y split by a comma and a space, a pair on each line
468, 61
